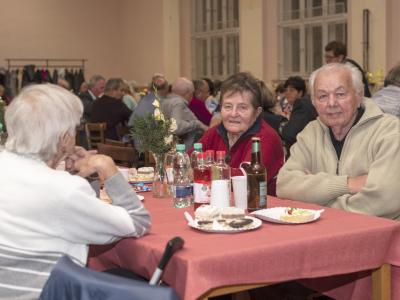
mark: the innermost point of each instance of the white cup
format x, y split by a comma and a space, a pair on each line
240, 191
220, 193
124, 172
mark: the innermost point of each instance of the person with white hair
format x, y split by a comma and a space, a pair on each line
46, 213
176, 106
349, 158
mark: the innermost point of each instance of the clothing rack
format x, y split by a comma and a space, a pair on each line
47, 62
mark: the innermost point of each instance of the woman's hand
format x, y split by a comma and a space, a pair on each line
85, 163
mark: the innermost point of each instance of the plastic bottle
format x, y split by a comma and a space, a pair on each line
202, 181
198, 147
220, 182
182, 189
256, 179
210, 157
169, 169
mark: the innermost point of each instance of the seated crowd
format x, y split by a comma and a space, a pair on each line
342, 151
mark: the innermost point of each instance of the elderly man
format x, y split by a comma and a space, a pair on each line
189, 128
349, 158
96, 89
157, 87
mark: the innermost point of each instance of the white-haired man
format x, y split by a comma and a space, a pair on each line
46, 213
189, 128
349, 158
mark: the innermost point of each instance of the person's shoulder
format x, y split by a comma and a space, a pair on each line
85, 95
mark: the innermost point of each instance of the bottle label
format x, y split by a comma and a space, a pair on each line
263, 193
182, 191
202, 192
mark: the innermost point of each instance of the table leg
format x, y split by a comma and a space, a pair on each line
381, 283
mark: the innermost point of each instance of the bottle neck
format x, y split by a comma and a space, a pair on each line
255, 153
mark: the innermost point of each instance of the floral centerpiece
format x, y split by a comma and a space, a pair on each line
155, 134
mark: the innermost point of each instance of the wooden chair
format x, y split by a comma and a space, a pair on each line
95, 134
122, 155
116, 143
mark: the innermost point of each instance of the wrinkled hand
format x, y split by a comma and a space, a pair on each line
85, 163
355, 184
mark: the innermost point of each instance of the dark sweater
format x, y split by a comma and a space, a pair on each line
111, 111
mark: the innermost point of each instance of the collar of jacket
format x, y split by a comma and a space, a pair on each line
255, 128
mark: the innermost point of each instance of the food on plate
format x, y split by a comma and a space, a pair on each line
232, 213
240, 223
297, 215
145, 170
206, 213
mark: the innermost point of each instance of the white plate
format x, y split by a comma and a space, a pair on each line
273, 215
104, 196
256, 223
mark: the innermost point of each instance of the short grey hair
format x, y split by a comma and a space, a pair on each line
356, 77
393, 77
38, 117
182, 86
94, 79
114, 84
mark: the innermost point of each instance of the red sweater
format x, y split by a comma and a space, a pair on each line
271, 149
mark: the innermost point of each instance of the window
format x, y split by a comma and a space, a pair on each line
306, 26
215, 38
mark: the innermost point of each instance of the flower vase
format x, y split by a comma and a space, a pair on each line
160, 184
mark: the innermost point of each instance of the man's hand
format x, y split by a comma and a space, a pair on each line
355, 184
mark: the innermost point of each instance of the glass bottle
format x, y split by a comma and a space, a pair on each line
256, 179
169, 169
182, 187
220, 182
202, 181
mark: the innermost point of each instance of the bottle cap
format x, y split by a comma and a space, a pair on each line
220, 154
180, 147
198, 146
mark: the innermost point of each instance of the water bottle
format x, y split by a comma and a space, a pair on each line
182, 187
197, 149
201, 181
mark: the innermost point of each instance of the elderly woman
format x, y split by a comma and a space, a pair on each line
46, 213
241, 106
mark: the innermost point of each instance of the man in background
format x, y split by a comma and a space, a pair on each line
110, 109
336, 51
96, 89
158, 87
189, 128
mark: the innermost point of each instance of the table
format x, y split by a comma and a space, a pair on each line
211, 264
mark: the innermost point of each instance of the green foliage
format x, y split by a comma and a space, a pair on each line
152, 134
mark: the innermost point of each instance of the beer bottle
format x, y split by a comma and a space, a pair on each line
256, 179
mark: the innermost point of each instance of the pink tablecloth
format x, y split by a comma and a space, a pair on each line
338, 243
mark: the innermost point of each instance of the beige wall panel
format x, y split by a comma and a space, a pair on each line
63, 29
270, 40
251, 37
393, 35
377, 35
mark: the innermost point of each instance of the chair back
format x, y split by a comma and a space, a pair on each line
71, 281
116, 143
122, 155
95, 133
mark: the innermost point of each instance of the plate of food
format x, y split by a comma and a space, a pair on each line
104, 196
141, 175
288, 215
222, 220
